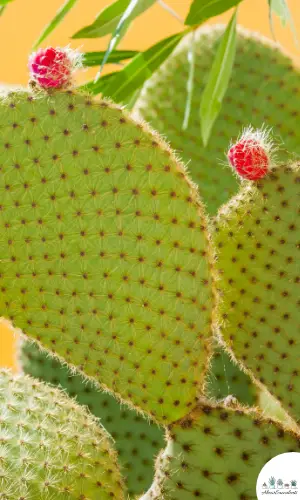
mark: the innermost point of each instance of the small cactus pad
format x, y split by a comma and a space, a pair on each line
264, 89
136, 440
104, 248
51, 448
257, 238
225, 378
217, 452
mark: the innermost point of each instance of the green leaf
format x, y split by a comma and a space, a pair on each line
3, 5
201, 10
108, 19
134, 9
137, 71
218, 80
61, 13
95, 58
97, 88
132, 99
190, 83
281, 9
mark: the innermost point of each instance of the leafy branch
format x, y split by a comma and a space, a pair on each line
122, 85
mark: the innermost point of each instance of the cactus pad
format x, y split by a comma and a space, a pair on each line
217, 452
136, 440
51, 448
104, 249
257, 236
264, 89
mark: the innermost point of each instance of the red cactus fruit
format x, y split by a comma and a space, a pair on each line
250, 155
51, 68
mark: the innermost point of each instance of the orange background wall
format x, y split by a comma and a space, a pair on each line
23, 21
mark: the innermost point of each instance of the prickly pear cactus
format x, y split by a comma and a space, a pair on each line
226, 379
217, 452
263, 90
51, 448
137, 440
104, 249
257, 239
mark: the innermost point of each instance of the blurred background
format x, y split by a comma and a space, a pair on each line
22, 22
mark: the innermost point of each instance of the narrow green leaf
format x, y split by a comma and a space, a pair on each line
108, 19
130, 102
281, 9
190, 83
201, 10
95, 58
97, 88
218, 80
134, 9
137, 71
5, 2
2, 9
61, 13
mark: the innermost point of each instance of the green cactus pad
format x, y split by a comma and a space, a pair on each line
225, 378
51, 448
257, 236
104, 249
217, 452
264, 89
136, 440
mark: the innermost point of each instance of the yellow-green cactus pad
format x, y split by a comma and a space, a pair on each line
263, 89
217, 452
257, 238
51, 448
137, 440
104, 248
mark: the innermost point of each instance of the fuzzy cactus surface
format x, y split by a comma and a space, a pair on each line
263, 90
217, 452
105, 255
257, 239
51, 448
137, 440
